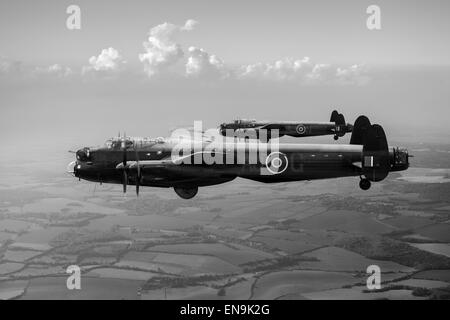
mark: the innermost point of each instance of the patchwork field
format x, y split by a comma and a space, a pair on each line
112, 273
19, 255
191, 293
240, 240
10, 267
234, 254
278, 284
338, 259
358, 294
52, 288
62, 205
12, 289
440, 275
439, 232
437, 248
183, 264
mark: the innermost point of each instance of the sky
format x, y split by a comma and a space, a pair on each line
413, 31
146, 67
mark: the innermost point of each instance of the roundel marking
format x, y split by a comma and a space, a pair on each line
276, 162
301, 129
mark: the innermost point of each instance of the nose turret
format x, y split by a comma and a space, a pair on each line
82, 166
83, 155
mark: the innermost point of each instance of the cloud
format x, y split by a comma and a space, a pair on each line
284, 69
304, 71
109, 60
202, 64
9, 66
189, 25
19, 70
321, 73
161, 50
164, 55
355, 75
54, 70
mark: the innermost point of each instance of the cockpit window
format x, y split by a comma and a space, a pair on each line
114, 144
117, 143
108, 144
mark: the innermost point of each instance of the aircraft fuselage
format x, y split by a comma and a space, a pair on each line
302, 162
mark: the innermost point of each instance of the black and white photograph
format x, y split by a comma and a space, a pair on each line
224, 154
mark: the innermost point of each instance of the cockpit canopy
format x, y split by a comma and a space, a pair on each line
131, 142
118, 143
244, 121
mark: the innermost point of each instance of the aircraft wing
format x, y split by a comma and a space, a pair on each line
162, 163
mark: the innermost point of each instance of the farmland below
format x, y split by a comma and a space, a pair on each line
240, 240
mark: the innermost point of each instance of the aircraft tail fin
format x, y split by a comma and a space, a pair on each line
362, 124
375, 162
341, 128
337, 118
375, 158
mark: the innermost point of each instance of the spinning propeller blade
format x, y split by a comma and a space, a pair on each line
138, 176
124, 161
125, 181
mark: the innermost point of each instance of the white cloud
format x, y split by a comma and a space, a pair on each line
109, 60
284, 69
161, 50
54, 70
164, 54
8, 66
321, 73
189, 25
304, 71
355, 75
202, 64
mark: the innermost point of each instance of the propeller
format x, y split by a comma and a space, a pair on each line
125, 180
124, 161
125, 167
138, 176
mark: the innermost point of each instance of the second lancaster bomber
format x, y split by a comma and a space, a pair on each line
242, 127
159, 163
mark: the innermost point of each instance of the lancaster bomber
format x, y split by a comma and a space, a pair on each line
247, 128
187, 164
